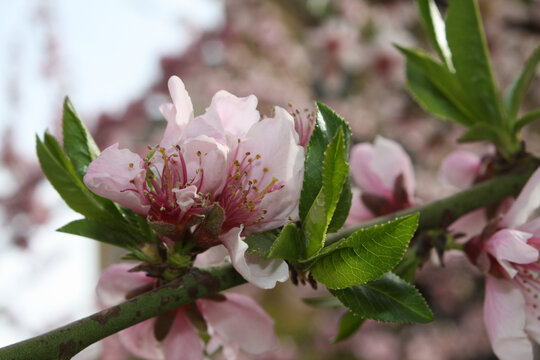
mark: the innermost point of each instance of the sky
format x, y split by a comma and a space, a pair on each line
102, 54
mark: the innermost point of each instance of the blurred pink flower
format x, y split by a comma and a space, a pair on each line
509, 255
460, 169
252, 168
234, 321
384, 173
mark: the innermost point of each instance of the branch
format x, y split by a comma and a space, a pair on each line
64, 342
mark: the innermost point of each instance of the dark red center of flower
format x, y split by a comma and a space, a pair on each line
166, 172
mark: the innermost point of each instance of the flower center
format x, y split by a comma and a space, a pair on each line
168, 187
244, 191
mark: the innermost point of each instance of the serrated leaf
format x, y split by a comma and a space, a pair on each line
389, 299
260, 243
335, 171
364, 256
515, 92
100, 231
348, 326
61, 175
288, 245
78, 143
470, 57
436, 30
342, 208
326, 127
436, 89
323, 302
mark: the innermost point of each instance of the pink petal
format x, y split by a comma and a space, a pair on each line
115, 282
240, 320
509, 245
469, 224
236, 115
112, 349
260, 272
182, 341
185, 197
389, 161
460, 168
110, 176
525, 204
182, 115
284, 115
212, 160
358, 213
361, 157
284, 161
504, 315
141, 342
375, 167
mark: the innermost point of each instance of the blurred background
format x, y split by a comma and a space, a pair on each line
113, 59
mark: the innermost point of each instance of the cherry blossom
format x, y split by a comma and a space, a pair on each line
251, 167
508, 253
385, 177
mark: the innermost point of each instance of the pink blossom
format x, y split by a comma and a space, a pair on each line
252, 167
263, 181
384, 173
460, 169
509, 255
234, 321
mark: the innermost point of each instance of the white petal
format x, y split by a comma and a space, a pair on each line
508, 246
504, 315
236, 115
185, 197
527, 201
260, 272
183, 112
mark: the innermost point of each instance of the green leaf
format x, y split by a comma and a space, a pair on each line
406, 269
503, 140
260, 243
364, 256
288, 245
527, 118
342, 208
323, 302
435, 27
514, 94
101, 231
61, 174
470, 57
436, 89
78, 143
335, 171
348, 326
326, 127
387, 299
